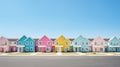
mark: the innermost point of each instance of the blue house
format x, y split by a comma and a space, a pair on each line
113, 45
29, 45
25, 44
81, 44
20, 44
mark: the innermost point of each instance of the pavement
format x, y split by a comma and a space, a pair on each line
59, 61
61, 54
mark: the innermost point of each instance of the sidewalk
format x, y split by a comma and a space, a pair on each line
62, 54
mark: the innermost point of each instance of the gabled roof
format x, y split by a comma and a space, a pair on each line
114, 37
29, 39
98, 38
22, 37
45, 38
3, 38
62, 38
81, 37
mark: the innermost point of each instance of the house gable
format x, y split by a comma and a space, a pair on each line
114, 41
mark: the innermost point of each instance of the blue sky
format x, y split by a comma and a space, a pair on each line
53, 18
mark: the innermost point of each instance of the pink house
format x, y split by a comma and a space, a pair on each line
4, 44
98, 45
44, 44
12, 47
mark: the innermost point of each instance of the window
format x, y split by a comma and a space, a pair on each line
117, 43
75, 43
27, 49
82, 43
31, 43
5, 43
101, 43
56, 43
86, 48
48, 43
66, 43
95, 43
82, 48
26, 43
19, 43
87, 43
40, 43
111, 43
31, 49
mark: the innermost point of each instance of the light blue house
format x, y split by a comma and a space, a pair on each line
113, 45
25, 44
81, 44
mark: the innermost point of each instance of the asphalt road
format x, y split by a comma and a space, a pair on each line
60, 61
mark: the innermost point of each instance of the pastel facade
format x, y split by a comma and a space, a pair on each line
29, 45
98, 44
81, 44
62, 44
12, 47
4, 44
25, 44
44, 45
113, 45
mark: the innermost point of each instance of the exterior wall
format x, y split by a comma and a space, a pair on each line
44, 42
62, 41
12, 49
20, 42
29, 45
81, 44
98, 45
4, 44
113, 45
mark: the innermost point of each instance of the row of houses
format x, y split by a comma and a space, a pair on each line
61, 44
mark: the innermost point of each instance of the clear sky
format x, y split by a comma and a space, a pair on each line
53, 18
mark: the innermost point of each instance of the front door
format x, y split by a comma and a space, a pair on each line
2, 49
59, 49
47, 49
20, 49
40, 49
75, 49
11, 49
66, 49
116, 50
101, 49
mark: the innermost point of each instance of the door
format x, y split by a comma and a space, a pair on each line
65, 49
116, 50
11, 49
75, 49
78, 49
101, 49
59, 49
20, 49
2, 49
40, 49
47, 49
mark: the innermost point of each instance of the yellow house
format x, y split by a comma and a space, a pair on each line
62, 44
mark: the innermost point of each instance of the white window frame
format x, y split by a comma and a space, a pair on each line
48, 43
31, 42
40, 42
26, 42
31, 48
